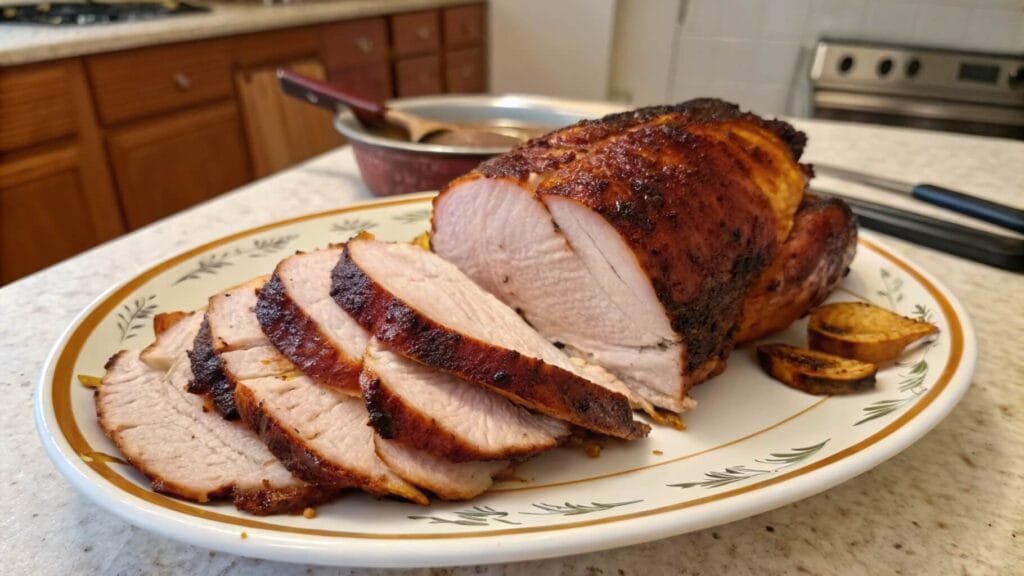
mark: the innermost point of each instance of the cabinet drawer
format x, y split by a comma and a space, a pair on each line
464, 71
418, 76
140, 82
347, 44
34, 105
166, 165
464, 26
416, 33
370, 81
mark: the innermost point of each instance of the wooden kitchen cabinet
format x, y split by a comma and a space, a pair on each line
415, 33
137, 83
464, 71
166, 165
48, 212
56, 195
464, 26
418, 76
282, 131
34, 106
355, 43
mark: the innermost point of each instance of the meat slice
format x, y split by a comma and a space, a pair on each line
318, 433
299, 317
438, 413
185, 451
631, 241
807, 268
426, 309
448, 480
172, 341
229, 324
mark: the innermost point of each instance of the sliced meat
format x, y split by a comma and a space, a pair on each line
448, 480
185, 451
172, 340
807, 268
318, 433
229, 324
631, 240
299, 317
426, 309
437, 412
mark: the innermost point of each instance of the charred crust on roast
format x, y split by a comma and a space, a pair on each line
298, 337
208, 376
540, 386
807, 267
265, 501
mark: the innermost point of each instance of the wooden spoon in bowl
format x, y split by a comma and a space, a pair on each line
375, 114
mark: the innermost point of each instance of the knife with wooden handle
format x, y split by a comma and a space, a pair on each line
993, 212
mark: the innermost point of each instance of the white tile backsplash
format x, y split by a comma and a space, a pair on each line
889, 22
941, 25
784, 19
993, 28
750, 50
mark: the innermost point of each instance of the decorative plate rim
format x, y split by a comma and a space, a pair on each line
177, 519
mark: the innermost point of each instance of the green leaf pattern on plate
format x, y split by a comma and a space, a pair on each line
774, 463
130, 317
212, 263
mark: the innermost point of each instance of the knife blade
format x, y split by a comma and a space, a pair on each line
993, 212
978, 245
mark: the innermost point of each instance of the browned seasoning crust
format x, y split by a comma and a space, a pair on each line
267, 501
208, 376
300, 459
394, 419
259, 501
809, 265
525, 381
299, 338
702, 192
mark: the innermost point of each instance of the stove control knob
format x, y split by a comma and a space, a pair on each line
913, 67
846, 64
884, 67
1016, 80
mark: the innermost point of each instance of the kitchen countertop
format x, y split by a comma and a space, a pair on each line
951, 503
21, 44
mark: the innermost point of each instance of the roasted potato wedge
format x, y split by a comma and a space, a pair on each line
863, 331
815, 372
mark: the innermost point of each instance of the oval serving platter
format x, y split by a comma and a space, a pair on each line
751, 445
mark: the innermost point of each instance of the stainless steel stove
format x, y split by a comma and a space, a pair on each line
922, 87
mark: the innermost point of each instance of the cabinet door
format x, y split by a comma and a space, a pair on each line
418, 76
47, 213
282, 131
415, 33
370, 81
166, 165
464, 71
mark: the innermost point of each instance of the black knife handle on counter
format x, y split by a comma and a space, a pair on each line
985, 247
999, 214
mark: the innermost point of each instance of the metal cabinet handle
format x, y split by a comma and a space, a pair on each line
423, 33
182, 81
364, 44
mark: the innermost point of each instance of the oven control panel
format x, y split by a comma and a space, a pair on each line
916, 71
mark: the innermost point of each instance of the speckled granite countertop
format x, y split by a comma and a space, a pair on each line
21, 44
951, 504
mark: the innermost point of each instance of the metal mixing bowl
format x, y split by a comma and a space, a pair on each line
393, 166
